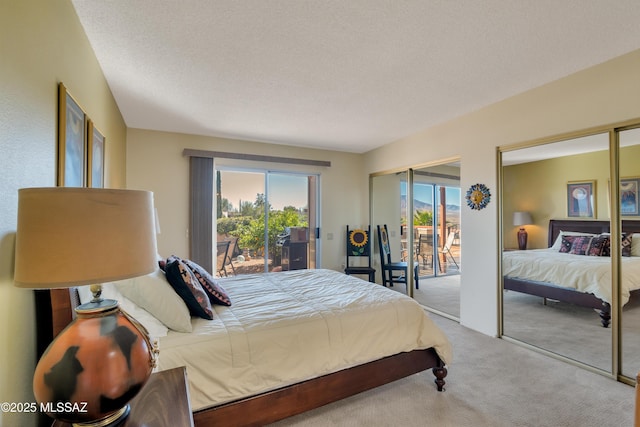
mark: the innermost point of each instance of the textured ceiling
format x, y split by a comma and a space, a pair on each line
346, 75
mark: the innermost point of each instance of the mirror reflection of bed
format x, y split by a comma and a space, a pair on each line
536, 315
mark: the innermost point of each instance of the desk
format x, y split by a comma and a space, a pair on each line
162, 402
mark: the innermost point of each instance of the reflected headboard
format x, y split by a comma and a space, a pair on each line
588, 226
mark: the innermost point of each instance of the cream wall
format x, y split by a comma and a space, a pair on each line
540, 188
155, 162
603, 94
42, 43
546, 198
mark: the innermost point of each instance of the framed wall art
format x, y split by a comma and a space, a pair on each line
72, 136
581, 199
95, 157
629, 196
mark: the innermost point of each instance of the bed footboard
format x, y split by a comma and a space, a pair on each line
297, 398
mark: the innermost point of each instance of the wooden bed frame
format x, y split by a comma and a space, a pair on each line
559, 293
54, 309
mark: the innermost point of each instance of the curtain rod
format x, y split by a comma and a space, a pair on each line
255, 157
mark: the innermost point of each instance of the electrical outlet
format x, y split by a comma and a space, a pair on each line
329, 236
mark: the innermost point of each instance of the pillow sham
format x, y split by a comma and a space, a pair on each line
585, 245
154, 294
557, 244
185, 283
591, 246
155, 328
216, 293
626, 243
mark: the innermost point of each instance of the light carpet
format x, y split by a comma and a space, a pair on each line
491, 382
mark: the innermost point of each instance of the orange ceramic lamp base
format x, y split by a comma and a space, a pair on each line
90, 372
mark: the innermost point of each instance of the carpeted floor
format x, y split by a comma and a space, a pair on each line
491, 382
565, 329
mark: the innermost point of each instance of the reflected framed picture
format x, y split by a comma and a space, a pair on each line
95, 157
629, 196
581, 199
72, 135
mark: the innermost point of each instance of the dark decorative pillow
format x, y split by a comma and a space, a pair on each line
585, 245
625, 243
185, 283
215, 292
580, 245
163, 263
597, 246
567, 243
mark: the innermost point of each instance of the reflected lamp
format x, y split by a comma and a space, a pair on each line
86, 236
520, 219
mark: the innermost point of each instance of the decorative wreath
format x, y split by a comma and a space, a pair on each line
478, 196
358, 238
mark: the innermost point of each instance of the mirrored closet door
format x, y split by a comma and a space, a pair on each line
629, 141
557, 201
559, 186
421, 208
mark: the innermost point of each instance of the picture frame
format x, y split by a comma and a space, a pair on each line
72, 135
95, 156
581, 199
629, 196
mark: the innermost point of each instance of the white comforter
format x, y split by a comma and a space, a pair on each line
287, 327
589, 274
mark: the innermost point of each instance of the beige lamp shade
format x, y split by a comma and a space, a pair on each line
77, 236
522, 218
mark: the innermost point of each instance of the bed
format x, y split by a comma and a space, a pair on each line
291, 342
577, 279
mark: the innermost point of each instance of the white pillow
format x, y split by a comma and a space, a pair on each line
558, 243
635, 244
153, 293
154, 327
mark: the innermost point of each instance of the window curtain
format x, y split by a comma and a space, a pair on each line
201, 211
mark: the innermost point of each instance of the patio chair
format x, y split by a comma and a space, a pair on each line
222, 258
233, 252
446, 249
359, 246
388, 266
424, 249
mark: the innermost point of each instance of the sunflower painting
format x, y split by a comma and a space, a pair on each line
358, 242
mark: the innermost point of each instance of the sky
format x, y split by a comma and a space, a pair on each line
284, 190
291, 189
424, 193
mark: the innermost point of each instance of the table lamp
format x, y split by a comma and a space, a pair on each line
77, 236
520, 219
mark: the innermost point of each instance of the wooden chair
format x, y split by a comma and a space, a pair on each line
358, 246
388, 266
222, 257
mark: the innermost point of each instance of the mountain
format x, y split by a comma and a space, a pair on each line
419, 205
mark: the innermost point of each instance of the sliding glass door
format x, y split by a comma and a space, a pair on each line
268, 218
421, 208
436, 226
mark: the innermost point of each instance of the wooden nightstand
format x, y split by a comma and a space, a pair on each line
163, 402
